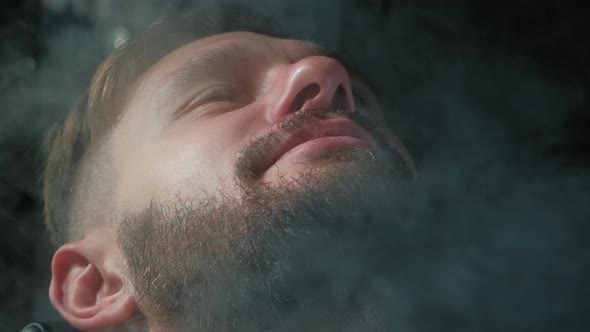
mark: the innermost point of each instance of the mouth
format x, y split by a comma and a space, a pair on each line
318, 137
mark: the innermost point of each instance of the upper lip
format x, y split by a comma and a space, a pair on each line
324, 128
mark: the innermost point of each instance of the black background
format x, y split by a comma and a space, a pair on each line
491, 97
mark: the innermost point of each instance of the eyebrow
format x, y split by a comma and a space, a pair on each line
209, 61
217, 57
200, 65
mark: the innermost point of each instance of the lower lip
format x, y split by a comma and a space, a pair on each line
322, 144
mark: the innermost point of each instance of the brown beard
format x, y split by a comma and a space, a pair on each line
247, 167
251, 264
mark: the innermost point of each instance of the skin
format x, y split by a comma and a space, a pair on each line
199, 147
180, 137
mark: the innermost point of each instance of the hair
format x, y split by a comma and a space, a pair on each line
71, 144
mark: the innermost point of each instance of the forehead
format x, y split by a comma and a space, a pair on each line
238, 44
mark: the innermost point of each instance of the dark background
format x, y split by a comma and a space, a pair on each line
491, 97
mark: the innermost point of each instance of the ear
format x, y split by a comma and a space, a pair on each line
85, 294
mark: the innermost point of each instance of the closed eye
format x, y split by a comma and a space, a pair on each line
206, 98
210, 95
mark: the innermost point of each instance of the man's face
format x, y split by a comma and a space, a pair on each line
231, 147
186, 129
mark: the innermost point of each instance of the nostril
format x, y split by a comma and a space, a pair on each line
307, 93
340, 100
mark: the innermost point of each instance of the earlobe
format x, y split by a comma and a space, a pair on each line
85, 294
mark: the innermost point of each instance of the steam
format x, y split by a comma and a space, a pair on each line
500, 205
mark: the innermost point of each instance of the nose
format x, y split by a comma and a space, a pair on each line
315, 82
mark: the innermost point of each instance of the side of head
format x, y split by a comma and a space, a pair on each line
79, 177
201, 145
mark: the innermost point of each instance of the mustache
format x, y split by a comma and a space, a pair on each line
248, 165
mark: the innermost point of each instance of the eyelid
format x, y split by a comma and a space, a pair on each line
215, 93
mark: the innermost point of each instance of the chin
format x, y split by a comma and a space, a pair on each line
320, 167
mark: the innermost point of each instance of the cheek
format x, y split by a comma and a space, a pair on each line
186, 163
186, 169
199, 156
188, 158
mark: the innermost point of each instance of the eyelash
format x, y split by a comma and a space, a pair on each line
212, 95
222, 93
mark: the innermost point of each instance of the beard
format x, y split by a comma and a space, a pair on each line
287, 256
